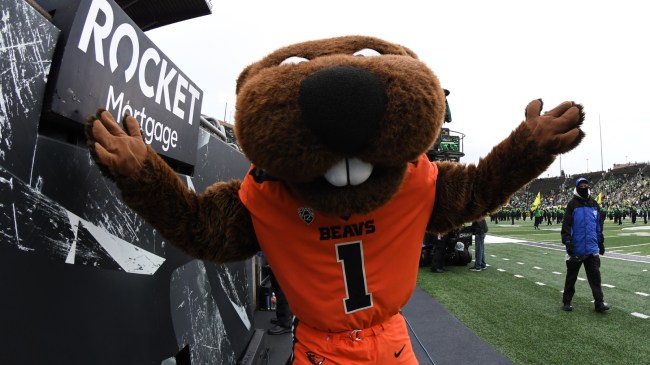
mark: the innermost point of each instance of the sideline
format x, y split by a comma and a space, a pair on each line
441, 338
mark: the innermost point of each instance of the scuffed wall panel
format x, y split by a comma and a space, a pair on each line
86, 273
83, 279
196, 312
76, 183
207, 316
27, 42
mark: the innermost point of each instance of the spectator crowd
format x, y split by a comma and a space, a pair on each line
623, 193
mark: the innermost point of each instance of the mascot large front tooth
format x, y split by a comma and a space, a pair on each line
349, 171
339, 193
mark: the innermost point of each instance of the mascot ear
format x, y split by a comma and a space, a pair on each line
447, 110
243, 76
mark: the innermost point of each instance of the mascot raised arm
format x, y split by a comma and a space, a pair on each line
340, 191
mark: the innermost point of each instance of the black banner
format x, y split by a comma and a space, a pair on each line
107, 61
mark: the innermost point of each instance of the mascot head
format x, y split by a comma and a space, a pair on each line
339, 119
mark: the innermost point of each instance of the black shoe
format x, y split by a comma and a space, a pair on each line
278, 330
437, 271
601, 307
567, 307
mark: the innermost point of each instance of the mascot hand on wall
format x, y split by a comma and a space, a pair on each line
340, 191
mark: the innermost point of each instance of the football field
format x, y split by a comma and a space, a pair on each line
628, 238
515, 304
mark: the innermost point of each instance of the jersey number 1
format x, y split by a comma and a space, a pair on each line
350, 255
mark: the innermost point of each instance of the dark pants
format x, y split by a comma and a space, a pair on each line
592, 268
282, 311
438, 254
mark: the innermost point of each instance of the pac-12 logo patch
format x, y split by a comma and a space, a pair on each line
306, 214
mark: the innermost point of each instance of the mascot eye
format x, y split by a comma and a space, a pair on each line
293, 60
366, 52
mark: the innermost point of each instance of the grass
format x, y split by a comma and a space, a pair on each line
521, 315
627, 238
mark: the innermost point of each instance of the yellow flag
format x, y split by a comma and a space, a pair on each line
599, 199
537, 202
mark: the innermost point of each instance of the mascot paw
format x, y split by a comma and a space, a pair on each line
558, 130
117, 151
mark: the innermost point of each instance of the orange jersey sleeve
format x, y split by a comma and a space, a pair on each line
342, 274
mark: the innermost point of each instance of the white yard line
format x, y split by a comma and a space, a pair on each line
558, 247
640, 244
637, 228
640, 315
495, 239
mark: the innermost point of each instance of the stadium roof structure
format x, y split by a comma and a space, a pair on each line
150, 14
146, 14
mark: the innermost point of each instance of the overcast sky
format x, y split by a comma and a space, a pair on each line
494, 57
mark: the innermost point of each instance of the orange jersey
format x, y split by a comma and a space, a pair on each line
343, 274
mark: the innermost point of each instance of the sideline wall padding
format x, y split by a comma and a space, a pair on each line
84, 280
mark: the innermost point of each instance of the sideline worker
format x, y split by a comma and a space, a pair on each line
582, 234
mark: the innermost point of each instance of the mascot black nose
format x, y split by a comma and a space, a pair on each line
343, 106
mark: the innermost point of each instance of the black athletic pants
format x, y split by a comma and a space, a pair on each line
592, 268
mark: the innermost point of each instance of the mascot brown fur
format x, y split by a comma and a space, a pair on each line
340, 192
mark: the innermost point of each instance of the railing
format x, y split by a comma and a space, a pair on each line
213, 126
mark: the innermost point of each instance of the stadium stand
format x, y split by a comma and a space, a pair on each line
624, 188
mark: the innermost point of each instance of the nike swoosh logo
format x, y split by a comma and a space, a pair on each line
397, 353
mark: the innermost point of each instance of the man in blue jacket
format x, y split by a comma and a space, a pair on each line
582, 234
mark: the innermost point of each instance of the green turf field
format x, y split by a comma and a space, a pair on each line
515, 305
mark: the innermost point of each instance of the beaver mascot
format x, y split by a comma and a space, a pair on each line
340, 191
